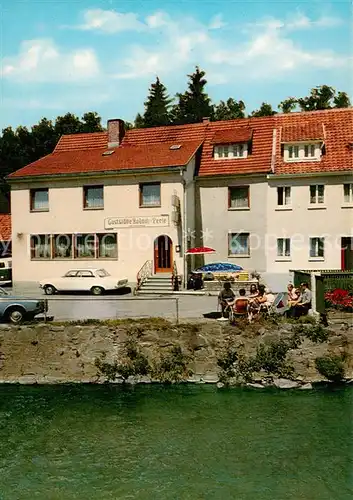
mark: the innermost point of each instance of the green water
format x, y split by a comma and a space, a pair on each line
177, 442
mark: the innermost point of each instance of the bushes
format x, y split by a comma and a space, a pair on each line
171, 366
315, 333
270, 358
331, 367
134, 363
339, 299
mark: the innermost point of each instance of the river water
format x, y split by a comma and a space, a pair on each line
177, 442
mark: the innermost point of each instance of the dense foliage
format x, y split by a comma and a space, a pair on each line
339, 299
331, 367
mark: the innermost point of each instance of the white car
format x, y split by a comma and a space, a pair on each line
96, 281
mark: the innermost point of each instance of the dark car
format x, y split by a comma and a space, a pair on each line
17, 309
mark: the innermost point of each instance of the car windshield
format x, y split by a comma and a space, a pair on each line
102, 272
3, 292
70, 274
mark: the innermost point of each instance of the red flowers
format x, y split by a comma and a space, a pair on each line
340, 299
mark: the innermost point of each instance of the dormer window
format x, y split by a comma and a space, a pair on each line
302, 152
231, 151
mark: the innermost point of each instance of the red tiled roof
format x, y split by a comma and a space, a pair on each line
305, 132
142, 148
232, 135
125, 157
5, 227
82, 142
338, 127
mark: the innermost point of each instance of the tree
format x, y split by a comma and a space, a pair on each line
139, 122
67, 124
44, 138
341, 100
288, 105
194, 104
319, 98
91, 122
157, 106
264, 110
229, 110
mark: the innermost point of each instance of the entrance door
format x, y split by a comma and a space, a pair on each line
163, 250
347, 253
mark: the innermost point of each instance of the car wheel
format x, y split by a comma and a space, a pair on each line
16, 315
49, 289
97, 290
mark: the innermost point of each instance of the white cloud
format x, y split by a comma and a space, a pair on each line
217, 22
109, 21
42, 61
267, 50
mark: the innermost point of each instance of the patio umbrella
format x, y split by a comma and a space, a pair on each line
200, 251
215, 267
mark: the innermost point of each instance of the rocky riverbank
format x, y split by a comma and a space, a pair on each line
285, 355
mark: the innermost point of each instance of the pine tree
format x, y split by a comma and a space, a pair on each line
194, 104
157, 106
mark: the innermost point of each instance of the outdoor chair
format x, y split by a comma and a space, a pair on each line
233, 313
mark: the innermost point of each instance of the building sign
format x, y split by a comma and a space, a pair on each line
138, 221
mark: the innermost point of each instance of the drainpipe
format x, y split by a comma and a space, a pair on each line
184, 229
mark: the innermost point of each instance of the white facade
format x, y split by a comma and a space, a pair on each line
136, 227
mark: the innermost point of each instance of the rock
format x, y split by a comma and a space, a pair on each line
210, 378
349, 381
283, 383
255, 385
194, 379
220, 385
27, 379
307, 386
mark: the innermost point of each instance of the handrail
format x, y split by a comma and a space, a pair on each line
145, 272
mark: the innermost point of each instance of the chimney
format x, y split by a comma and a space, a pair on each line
116, 132
206, 119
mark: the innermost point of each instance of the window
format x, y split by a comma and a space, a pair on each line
85, 246
85, 274
348, 193
39, 200
93, 197
231, 151
107, 246
283, 196
302, 152
293, 152
238, 197
309, 151
317, 247
238, 244
283, 247
71, 274
40, 246
69, 246
150, 195
62, 246
317, 194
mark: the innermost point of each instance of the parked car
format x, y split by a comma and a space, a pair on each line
5, 271
16, 309
96, 281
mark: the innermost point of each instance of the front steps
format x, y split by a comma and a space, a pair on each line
158, 284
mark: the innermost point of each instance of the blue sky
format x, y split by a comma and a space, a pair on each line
101, 55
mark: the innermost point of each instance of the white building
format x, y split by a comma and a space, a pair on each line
271, 194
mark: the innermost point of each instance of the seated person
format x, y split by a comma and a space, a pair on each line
303, 304
226, 296
253, 290
195, 282
241, 303
293, 294
270, 297
258, 301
